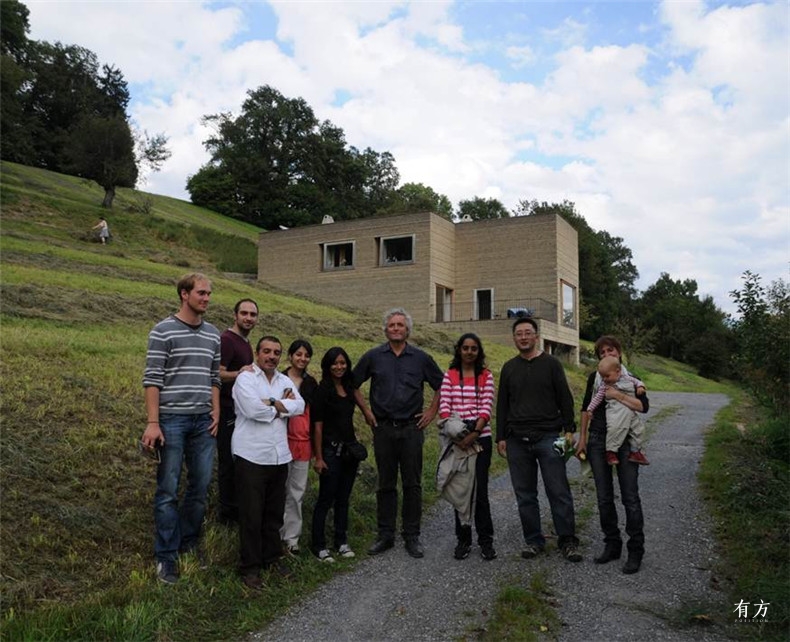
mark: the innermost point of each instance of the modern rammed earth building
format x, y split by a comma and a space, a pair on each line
469, 276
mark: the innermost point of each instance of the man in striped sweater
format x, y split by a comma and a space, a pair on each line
182, 384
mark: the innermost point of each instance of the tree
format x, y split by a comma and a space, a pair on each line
416, 197
102, 149
762, 357
479, 208
276, 164
687, 328
61, 111
15, 124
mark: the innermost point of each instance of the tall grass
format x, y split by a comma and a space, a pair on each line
745, 476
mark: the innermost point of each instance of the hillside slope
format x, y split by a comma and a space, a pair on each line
76, 515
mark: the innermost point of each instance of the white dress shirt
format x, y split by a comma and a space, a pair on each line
261, 434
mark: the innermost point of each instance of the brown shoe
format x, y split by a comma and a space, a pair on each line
280, 568
638, 457
252, 582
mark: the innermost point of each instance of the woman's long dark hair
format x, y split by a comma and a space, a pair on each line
347, 380
480, 362
300, 343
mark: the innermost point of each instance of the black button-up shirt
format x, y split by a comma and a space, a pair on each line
396, 389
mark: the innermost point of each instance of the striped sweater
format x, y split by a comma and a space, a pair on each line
467, 400
183, 362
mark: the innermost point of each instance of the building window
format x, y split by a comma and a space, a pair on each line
568, 305
396, 249
338, 256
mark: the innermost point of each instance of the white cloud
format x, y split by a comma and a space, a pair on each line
678, 146
521, 56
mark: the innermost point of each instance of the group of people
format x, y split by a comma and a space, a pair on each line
203, 387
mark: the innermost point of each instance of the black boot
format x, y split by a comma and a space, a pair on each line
610, 553
464, 543
633, 563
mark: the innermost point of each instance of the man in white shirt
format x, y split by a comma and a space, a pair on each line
264, 399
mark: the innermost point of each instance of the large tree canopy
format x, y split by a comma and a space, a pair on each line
276, 164
61, 110
479, 208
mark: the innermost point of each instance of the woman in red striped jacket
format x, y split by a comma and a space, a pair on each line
468, 391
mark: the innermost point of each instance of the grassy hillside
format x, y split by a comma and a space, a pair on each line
76, 521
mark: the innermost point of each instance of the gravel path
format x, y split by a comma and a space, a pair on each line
395, 597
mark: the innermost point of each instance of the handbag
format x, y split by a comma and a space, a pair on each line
353, 451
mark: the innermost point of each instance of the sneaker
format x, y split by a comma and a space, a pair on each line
345, 551
530, 551
611, 458
167, 572
462, 550
638, 457
571, 553
325, 556
488, 552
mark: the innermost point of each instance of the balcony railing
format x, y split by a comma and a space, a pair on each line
495, 309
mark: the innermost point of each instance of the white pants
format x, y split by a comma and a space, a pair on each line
294, 492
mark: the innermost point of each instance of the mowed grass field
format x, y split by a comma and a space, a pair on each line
76, 518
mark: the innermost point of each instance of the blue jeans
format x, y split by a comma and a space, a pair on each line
187, 441
628, 478
334, 489
524, 459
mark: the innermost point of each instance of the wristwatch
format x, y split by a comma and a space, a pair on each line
272, 401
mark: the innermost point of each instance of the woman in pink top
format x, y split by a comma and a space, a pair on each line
468, 391
299, 439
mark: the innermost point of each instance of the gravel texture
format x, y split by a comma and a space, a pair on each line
395, 597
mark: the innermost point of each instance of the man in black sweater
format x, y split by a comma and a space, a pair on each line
534, 406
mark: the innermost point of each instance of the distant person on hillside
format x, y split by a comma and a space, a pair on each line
104, 230
621, 421
534, 406
265, 399
182, 383
397, 371
593, 441
236, 358
300, 352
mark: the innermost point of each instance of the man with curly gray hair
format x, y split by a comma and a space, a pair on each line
398, 371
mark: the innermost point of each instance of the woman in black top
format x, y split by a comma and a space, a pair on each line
593, 441
333, 427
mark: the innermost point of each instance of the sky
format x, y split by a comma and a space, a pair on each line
666, 123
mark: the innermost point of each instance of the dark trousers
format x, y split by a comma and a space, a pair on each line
226, 478
628, 478
261, 495
483, 524
334, 490
398, 446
